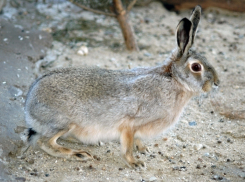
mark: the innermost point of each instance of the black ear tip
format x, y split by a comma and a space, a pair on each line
185, 22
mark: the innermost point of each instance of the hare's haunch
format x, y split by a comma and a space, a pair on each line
93, 104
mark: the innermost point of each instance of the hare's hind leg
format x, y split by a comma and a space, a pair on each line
127, 143
51, 146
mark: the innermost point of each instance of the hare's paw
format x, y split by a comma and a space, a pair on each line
81, 155
137, 164
143, 149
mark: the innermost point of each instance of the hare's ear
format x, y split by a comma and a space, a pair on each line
184, 35
195, 18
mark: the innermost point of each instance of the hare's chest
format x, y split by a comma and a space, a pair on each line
169, 117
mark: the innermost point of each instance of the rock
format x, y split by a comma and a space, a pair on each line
215, 177
192, 123
198, 146
101, 143
47, 29
20, 179
207, 154
156, 145
176, 168
31, 161
147, 54
221, 120
83, 51
153, 178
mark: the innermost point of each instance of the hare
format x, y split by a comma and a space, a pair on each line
94, 104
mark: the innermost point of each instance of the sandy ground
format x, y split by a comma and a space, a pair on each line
207, 144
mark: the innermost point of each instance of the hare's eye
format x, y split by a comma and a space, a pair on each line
196, 67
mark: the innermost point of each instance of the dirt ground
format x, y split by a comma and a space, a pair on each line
207, 144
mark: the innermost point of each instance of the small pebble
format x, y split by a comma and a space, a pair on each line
228, 140
83, 51
206, 154
221, 120
153, 156
215, 177
147, 54
91, 166
192, 123
220, 178
199, 159
156, 145
198, 166
176, 168
219, 141
31, 161
47, 175
198, 146
20, 179
182, 168
140, 58
153, 178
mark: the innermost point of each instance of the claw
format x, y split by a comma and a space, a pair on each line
82, 155
138, 164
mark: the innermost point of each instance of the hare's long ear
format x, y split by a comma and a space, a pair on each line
184, 35
195, 18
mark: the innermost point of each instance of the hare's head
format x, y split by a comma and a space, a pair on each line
191, 69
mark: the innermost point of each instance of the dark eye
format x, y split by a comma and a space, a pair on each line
196, 67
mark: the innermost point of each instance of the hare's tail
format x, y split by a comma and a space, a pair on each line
32, 137
30, 134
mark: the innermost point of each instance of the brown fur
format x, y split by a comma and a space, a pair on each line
93, 104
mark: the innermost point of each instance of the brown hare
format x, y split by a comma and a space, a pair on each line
94, 104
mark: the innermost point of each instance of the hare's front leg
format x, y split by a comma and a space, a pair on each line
127, 144
51, 146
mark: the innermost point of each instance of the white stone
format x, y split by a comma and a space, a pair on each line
198, 146
83, 51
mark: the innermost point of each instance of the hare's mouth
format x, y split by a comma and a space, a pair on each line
207, 86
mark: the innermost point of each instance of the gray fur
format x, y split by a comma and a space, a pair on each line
103, 99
